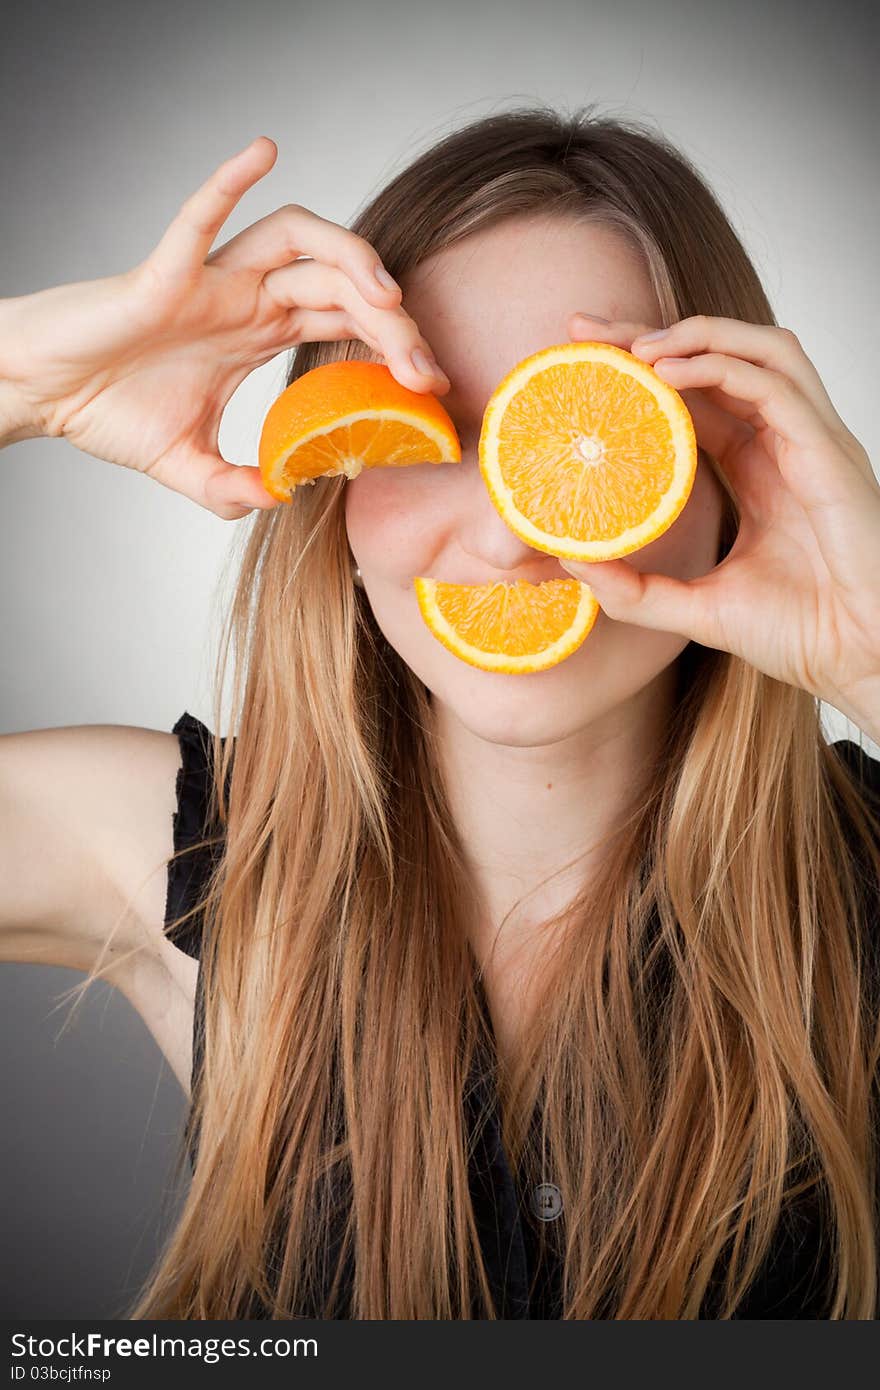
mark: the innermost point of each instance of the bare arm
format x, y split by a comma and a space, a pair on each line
17, 422
137, 369
85, 834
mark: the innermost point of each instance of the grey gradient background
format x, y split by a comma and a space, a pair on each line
111, 115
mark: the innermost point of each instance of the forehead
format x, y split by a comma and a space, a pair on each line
529, 260
508, 290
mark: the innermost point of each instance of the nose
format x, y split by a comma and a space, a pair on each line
485, 536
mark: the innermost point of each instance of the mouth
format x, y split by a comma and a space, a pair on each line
506, 583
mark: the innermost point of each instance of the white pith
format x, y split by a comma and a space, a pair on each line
349, 465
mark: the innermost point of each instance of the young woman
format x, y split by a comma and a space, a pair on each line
547, 996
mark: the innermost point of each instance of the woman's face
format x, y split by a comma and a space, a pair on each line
483, 305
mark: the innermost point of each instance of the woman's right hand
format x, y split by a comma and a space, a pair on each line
137, 368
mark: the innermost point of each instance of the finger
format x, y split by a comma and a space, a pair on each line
817, 470
233, 490
227, 489
840, 439
764, 345
189, 238
620, 332
335, 325
328, 326
312, 285
723, 436
293, 231
759, 397
717, 430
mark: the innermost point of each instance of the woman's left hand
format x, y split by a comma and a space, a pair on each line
798, 595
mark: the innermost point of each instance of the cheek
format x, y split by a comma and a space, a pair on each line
396, 518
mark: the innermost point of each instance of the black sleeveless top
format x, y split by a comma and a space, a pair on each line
523, 1268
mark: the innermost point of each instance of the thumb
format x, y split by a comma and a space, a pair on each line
228, 490
647, 600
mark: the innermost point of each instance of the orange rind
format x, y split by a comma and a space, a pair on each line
587, 454
345, 416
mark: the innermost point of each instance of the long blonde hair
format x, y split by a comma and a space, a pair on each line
706, 1042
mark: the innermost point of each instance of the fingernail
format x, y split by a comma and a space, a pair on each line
592, 318
384, 278
426, 365
649, 337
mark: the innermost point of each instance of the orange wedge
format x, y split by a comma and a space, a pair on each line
514, 628
346, 416
586, 452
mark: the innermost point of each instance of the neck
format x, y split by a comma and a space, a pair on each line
522, 813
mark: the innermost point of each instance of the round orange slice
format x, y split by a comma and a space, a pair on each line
349, 415
514, 628
587, 454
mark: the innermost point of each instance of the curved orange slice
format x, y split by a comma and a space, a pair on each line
514, 628
586, 452
346, 416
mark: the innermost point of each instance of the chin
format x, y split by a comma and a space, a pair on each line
527, 711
